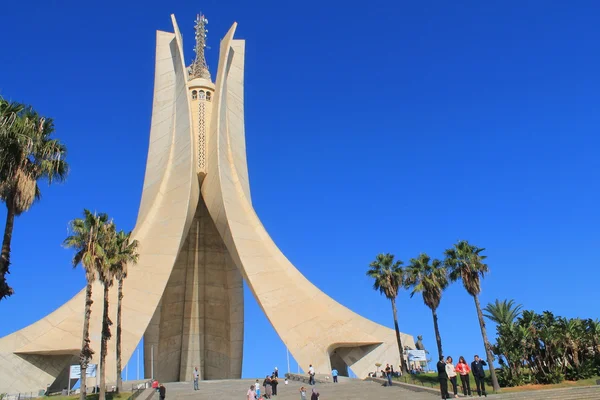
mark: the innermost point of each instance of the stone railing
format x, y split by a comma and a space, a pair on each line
319, 378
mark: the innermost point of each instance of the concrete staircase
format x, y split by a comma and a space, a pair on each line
346, 389
354, 389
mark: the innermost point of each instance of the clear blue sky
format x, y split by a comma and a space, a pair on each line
371, 127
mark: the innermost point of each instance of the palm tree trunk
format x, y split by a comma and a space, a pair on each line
86, 352
488, 348
400, 348
6, 290
119, 297
438, 338
104, 344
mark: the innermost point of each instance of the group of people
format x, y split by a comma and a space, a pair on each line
384, 372
313, 396
269, 383
160, 389
448, 371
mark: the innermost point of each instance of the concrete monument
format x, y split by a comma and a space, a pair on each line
200, 238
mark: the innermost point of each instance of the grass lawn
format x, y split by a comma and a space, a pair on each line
109, 396
431, 380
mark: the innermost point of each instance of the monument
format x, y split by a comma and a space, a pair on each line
200, 238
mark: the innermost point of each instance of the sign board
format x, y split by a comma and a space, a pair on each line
417, 355
75, 371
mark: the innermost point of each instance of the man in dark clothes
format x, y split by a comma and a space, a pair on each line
162, 391
274, 383
479, 375
443, 378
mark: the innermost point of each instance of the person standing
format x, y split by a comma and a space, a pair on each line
251, 394
334, 374
162, 392
451, 372
311, 375
302, 393
443, 378
479, 375
388, 374
196, 377
463, 369
257, 389
314, 395
274, 383
276, 373
268, 387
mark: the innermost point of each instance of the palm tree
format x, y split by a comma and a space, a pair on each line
126, 252
389, 278
430, 279
27, 155
503, 312
86, 239
465, 262
106, 275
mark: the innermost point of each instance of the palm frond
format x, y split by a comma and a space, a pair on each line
428, 277
465, 262
387, 274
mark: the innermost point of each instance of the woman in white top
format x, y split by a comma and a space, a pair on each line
451, 375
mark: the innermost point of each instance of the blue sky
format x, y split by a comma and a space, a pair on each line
375, 127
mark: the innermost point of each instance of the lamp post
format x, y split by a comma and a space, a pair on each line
288, 359
152, 361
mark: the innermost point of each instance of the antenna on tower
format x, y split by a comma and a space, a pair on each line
199, 67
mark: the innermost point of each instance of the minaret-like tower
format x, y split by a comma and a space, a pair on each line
199, 322
201, 90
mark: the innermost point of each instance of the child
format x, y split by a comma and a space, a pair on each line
302, 393
257, 389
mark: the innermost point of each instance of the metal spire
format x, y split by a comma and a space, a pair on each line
199, 68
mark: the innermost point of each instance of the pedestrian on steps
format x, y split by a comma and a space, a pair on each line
314, 395
268, 387
463, 369
196, 377
443, 378
251, 394
479, 375
302, 393
274, 383
388, 374
311, 375
257, 389
451, 372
